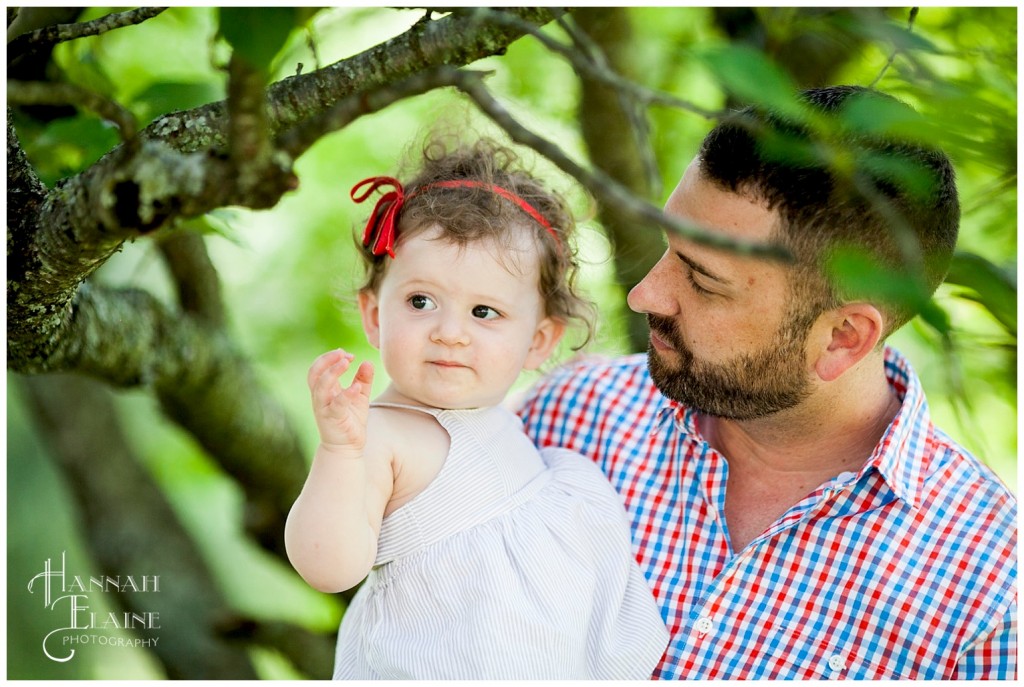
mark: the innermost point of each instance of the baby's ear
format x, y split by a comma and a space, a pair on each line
369, 309
549, 333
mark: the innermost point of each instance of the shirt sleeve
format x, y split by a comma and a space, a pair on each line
993, 656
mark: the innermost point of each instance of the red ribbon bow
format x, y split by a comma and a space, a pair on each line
379, 235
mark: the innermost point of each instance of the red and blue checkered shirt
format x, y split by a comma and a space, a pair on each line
906, 569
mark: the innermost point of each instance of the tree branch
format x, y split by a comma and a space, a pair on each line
131, 529
452, 40
25, 192
135, 191
586, 66
620, 157
203, 382
249, 147
195, 275
60, 33
43, 93
605, 188
896, 50
86, 218
299, 138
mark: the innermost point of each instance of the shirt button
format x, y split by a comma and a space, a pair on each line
704, 625
837, 662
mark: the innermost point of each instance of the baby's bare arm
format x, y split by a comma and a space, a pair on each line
332, 529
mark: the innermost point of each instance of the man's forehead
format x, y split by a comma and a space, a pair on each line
699, 202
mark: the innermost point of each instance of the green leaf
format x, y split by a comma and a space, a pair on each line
860, 276
223, 222
754, 79
935, 316
65, 147
993, 287
870, 114
904, 38
257, 34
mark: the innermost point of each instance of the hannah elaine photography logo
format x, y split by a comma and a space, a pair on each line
68, 598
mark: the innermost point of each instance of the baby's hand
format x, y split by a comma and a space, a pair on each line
340, 413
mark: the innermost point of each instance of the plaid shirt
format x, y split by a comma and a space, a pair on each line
906, 569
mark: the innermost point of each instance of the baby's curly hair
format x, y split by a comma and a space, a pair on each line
468, 214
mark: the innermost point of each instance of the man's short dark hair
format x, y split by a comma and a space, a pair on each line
837, 182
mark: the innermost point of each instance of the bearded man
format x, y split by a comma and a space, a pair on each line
794, 509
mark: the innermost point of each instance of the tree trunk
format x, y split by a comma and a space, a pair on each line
609, 133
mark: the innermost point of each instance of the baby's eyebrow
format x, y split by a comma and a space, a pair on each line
697, 267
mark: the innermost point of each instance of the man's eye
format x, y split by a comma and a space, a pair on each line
485, 312
697, 287
421, 302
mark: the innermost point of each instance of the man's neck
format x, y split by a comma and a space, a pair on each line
777, 461
833, 431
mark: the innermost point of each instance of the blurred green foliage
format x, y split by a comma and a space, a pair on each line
288, 272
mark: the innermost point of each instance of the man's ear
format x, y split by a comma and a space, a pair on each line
854, 330
369, 310
549, 332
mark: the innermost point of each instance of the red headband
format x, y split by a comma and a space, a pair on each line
379, 235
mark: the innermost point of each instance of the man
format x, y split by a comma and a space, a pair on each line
795, 511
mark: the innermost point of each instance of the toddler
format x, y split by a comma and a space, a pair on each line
484, 558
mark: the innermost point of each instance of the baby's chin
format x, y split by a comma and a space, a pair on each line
396, 394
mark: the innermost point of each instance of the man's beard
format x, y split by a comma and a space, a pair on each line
746, 387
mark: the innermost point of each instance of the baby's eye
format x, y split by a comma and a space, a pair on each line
485, 312
421, 302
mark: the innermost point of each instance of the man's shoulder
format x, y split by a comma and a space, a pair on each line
930, 460
955, 473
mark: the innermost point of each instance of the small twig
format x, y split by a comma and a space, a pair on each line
644, 95
896, 50
60, 33
298, 139
604, 187
631, 108
43, 93
311, 44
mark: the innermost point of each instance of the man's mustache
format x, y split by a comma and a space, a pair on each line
666, 330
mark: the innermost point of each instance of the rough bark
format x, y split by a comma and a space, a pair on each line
456, 40
180, 168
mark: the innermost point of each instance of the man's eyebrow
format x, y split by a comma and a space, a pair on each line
697, 267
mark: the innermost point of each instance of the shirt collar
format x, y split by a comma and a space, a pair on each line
901, 457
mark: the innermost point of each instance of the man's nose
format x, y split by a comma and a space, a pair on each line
655, 294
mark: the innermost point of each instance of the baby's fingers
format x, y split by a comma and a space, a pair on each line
357, 394
363, 380
327, 386
325, 361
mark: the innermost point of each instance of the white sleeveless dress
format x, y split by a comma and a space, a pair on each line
513, 563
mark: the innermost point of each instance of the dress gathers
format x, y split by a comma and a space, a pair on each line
513, 563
